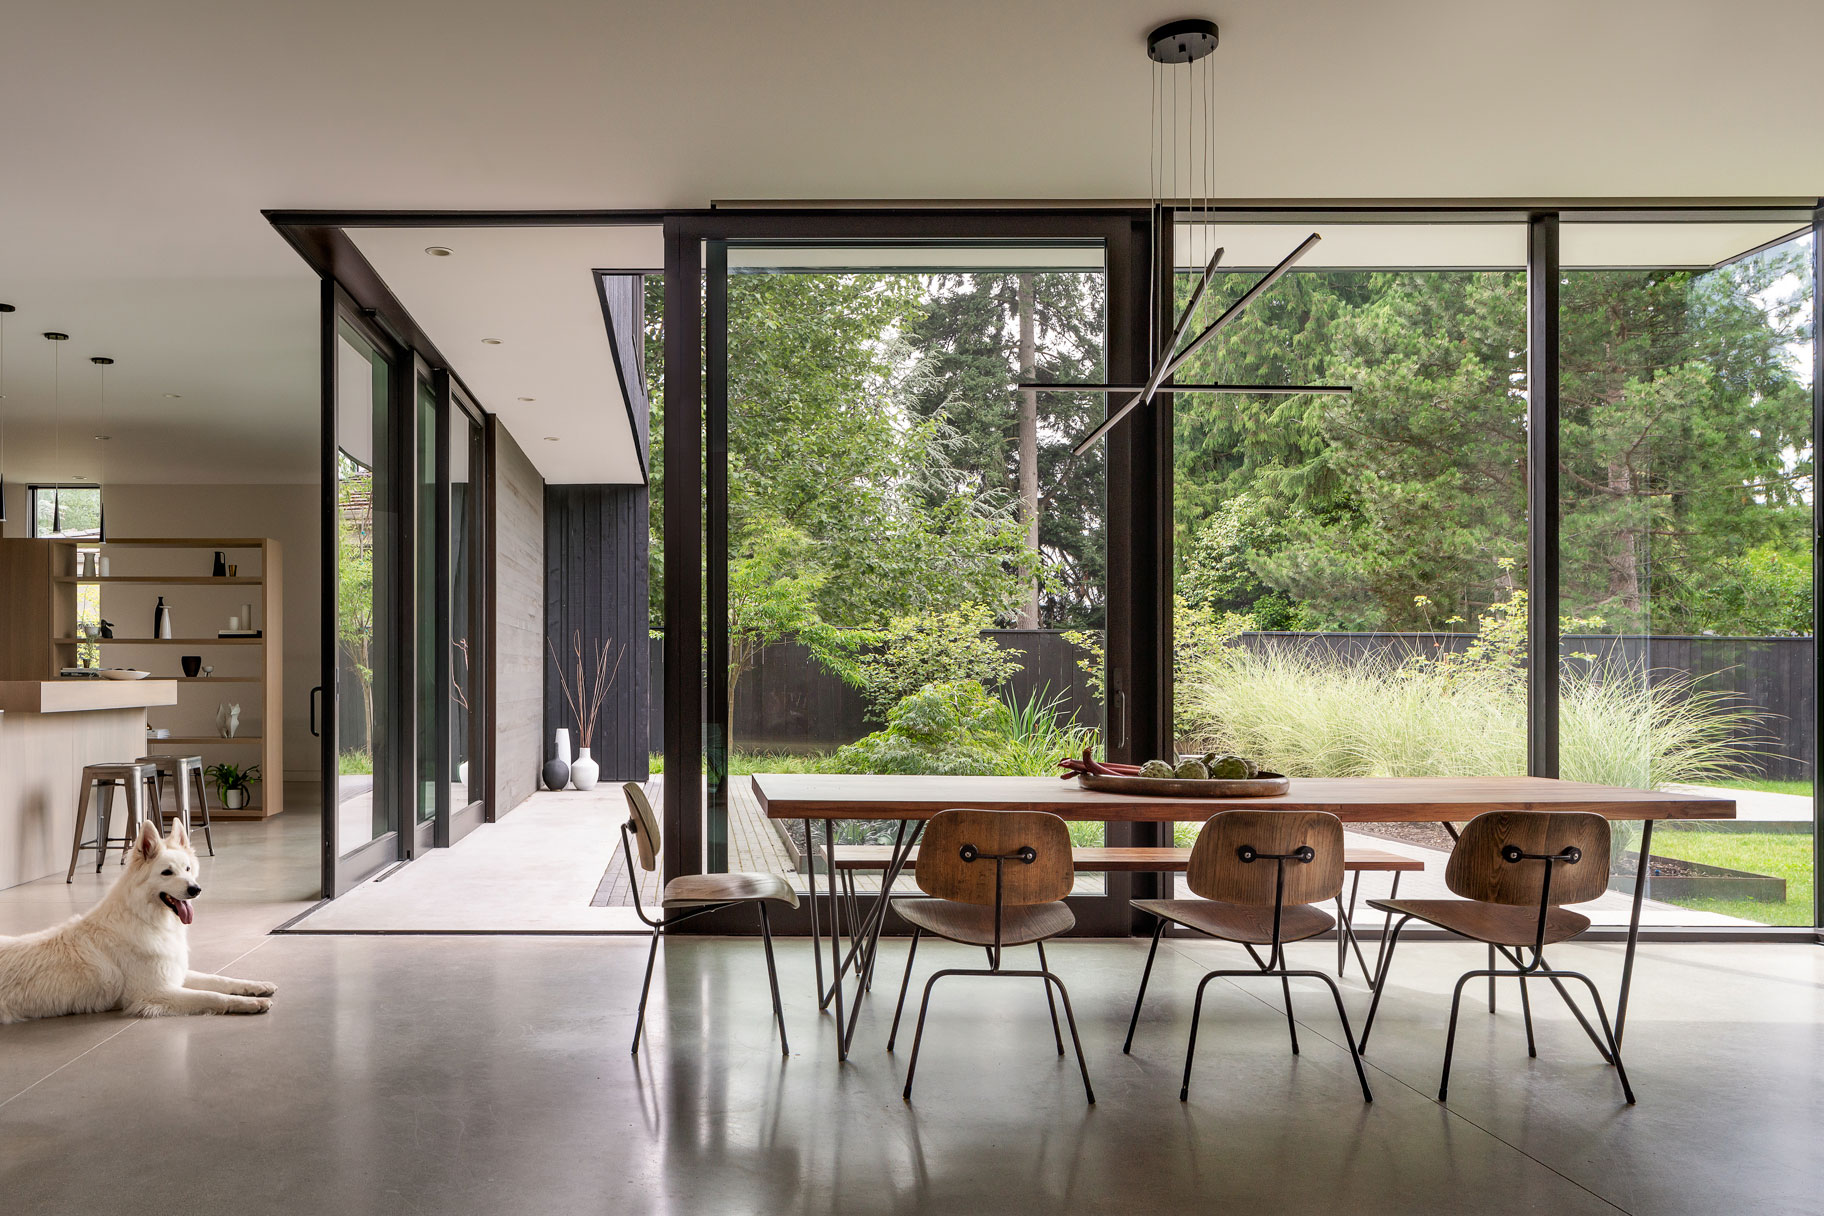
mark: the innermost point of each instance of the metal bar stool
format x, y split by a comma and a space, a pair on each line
139, 779
186, 774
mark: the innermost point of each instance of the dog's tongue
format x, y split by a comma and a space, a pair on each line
181, 907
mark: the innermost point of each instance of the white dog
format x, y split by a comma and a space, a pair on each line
131, 951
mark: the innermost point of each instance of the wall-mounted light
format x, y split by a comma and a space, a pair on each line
439, 251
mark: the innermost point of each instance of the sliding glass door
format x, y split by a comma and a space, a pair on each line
364, 748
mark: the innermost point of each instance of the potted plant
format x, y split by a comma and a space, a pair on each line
231, 783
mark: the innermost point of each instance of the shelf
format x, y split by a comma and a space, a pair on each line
186, 681
193, 580
191, 542
162, 641
191, 740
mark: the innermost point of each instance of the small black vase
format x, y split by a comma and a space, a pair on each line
220, 570
557, 774
193, 665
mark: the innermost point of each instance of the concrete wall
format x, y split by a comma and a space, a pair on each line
516, 591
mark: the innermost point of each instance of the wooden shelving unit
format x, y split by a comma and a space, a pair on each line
268, 585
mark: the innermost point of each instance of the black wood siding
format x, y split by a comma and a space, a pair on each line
595, 584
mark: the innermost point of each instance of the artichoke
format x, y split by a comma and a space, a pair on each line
1155, 768
1232, 768
1191, 770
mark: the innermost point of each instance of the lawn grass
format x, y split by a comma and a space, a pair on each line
1766, 785
741, 764
1784, 855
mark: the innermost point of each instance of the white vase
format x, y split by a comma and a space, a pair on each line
234, 799
462, 774
584, 771
563, 745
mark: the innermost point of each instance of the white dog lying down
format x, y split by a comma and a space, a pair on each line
131, 951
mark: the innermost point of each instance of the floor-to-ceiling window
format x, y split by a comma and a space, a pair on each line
1686, 548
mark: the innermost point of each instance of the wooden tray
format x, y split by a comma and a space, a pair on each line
1264, 786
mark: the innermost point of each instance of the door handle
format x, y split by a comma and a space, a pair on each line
314, 694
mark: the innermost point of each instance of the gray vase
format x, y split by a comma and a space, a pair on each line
556, 774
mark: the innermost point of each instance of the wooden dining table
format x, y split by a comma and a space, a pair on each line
910, 800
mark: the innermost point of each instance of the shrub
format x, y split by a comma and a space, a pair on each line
932, 648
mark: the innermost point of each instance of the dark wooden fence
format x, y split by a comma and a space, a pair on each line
789, 703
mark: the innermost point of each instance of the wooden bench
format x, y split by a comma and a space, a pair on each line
853, 858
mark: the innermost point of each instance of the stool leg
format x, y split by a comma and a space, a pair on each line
136, 814
202, 802
107, 819
155, 784
83, 796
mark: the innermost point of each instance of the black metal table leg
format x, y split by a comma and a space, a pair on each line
810, 857
829, 852
868, 935
1642, 870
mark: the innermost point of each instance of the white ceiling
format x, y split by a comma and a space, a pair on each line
138, 142
534, 290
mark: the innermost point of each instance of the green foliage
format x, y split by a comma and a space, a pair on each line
932, 647
355, 763
231, 777
959, 728
1765, 592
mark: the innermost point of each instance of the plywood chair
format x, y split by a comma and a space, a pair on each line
1515, 870
997, 879
1258, 873
691, 895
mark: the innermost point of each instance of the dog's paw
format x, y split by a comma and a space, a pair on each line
256, 988
249, 1004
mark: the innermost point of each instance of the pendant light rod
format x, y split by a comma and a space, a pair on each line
1247, 297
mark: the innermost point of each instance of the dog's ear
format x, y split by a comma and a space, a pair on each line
179, 836
148, 844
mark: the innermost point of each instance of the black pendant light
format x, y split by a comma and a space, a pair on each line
101, 519
57, 429
1183, 176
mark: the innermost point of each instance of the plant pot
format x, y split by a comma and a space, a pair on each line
462, 774
561, 746
556, 774
585, 771
234, 799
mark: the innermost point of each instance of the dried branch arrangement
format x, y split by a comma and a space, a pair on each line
585, 694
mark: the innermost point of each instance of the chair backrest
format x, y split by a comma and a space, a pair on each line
1478, 871
1217, 870
644, 823
943, 872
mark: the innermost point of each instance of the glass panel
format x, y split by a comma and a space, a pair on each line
916, 561
1686, 551
430, 609
66, 512
366, 807
1349, 570
465, 573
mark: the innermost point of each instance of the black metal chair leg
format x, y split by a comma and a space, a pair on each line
645, 988
1141, 995
1450, 1036
903, 985
1190, 1047
1291, 1023
772, 977
1380, 982
1526, 1012
1491, 978
1361, 1074
918, 1035
1621, 1072
1053, 1004
1564, 993
1082, 1065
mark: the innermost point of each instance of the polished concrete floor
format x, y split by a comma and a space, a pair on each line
491, 1074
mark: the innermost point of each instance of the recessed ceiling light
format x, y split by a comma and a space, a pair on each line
79, 476
551, 439
438, 251
490, 341
104, 437
528, 398
174, 396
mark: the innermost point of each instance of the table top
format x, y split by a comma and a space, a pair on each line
1351, 799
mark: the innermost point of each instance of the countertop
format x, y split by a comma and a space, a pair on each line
78, 694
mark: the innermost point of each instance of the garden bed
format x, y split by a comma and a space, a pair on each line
1676, 880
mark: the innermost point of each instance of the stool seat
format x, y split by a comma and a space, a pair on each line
186, 773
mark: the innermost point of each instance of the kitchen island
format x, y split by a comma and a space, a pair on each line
49, 729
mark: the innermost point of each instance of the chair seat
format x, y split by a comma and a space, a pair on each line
697, 890
1240, 922
973, 924
1498, 924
